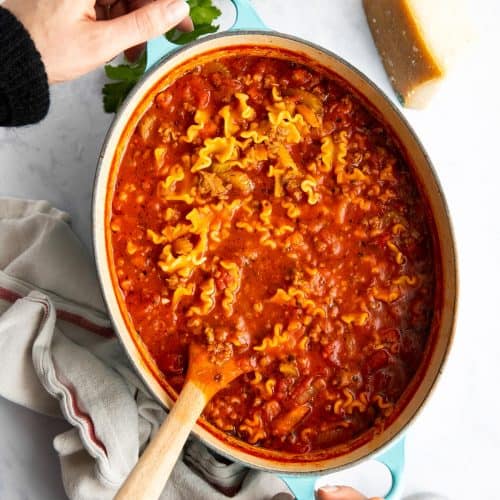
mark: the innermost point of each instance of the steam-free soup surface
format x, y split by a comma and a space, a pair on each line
262, 211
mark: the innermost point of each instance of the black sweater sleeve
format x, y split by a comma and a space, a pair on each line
24, 90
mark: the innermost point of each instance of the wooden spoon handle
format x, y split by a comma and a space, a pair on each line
148, 477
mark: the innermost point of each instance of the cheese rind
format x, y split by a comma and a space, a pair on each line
415, 41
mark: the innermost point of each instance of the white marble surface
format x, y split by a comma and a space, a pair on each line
453, 448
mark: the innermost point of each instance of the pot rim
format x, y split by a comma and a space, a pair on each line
124, 111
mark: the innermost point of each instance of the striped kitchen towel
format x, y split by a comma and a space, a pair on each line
59, 356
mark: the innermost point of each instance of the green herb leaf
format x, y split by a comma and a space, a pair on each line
181, 37
125, 76
129, 72
113, 95
203, 13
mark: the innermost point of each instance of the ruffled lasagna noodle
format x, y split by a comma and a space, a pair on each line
262, 211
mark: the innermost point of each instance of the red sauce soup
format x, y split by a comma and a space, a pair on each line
263, 211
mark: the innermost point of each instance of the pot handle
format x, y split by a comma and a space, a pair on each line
303, 487
246, 19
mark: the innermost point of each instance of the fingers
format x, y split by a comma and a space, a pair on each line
103, 8
117, 9
142, 24
100, 12
339, 493
282, 496
109, 9
186, 25
134, 53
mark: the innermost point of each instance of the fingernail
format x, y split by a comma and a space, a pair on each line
189, 24
329, 489
326, 492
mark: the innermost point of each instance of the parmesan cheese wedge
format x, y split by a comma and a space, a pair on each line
418, 40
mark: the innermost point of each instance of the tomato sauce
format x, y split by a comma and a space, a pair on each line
263, 211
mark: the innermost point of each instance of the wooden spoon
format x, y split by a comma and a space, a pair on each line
204, 379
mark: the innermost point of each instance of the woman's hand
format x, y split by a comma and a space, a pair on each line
331, 493
72, 41
110, 9
341, 493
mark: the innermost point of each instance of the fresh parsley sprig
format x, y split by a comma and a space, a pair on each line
203, 13
125, 76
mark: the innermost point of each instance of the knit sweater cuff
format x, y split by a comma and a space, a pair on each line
24, 89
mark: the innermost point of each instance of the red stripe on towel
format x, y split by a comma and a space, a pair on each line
8, 295
85, 419
77, 412
103, 331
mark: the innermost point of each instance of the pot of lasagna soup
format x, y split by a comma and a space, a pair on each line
259, 196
